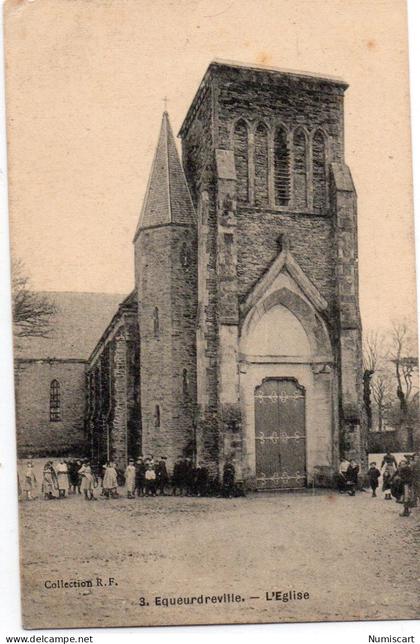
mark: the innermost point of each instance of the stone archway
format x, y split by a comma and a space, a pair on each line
285, 349
301, 309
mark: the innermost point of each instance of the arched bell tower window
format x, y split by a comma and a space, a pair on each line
240, 147
300, 169
281, 168
157, 416
261, 164
55, 402
319, 171
156, 323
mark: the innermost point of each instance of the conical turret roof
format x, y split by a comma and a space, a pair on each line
167, 199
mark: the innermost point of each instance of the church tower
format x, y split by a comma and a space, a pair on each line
279, 360
165, 271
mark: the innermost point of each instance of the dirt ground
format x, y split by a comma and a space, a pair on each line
356, 557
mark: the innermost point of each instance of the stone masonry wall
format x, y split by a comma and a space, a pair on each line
197, 159
348, 324
36, 435
184, 316
118, 420
199, 167
291, 101
113, 399
164, 282
264, 97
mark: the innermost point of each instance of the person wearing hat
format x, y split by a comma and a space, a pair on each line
130, 478
162, 477
140, 480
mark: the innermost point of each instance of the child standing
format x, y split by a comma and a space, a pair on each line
150, 477
110, 481
62, 472
29, 484
87, 482
130, 479
373, 476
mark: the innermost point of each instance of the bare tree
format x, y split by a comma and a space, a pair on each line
401, 346
372, 350
32, 312
381, 395
372, 347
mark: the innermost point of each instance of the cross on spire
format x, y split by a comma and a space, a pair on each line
165, 103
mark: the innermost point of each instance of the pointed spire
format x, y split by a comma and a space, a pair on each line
167, 199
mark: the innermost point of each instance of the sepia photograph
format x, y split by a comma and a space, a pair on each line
213, 284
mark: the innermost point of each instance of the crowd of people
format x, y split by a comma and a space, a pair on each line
143, 477
399, 480
150, 477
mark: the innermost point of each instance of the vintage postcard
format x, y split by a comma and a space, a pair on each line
217, 397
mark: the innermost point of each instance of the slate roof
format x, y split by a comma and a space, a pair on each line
167, 199
77, 326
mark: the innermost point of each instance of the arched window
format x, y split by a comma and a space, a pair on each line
156, 323
55, 402
261, 164
319, 171
300, 169
240, 146
185, 384
281, 168
157, 416
185, 255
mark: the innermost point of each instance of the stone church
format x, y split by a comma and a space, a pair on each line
242, 337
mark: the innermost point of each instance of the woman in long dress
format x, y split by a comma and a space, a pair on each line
130, 478
29, 483
49, 481
62, 471
110, 482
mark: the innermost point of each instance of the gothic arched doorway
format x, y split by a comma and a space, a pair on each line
280, 436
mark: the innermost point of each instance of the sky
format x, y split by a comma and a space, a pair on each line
85, 86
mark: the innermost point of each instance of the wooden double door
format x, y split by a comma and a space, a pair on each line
280, 435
